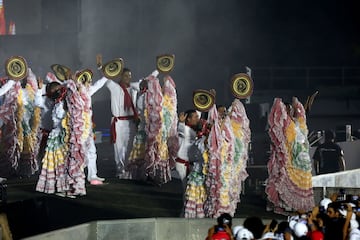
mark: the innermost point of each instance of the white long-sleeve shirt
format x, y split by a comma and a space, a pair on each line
46, 104
117, 98
187, 137
6, 87
97, 85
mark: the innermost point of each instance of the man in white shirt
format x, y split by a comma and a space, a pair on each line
124, 119
187, 136
90, 149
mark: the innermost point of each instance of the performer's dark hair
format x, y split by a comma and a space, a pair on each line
189, 113
50, 86
126, 70
335, 205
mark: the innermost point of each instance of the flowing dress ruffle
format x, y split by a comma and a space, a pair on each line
161, 129
76, 158
137, 164
289, 185
223, 155
153, 126
195, 193
19, 144
9, 143
30, 127
213, 182
52, 176
240, 127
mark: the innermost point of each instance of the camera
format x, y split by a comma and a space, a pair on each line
343, 206
221, 225
356, 209
273, 225
219, 228
224, 219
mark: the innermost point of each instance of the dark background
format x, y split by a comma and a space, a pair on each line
292, 47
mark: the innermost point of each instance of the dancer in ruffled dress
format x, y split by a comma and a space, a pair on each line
240, 127
195, 193
137, 164
161, 129
219, 159
80, 123
86, 90
21, 120
289, 186
54, 163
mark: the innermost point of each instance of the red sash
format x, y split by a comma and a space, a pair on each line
186, 163
113, 128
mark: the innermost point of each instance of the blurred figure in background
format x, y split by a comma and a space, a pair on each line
329, 157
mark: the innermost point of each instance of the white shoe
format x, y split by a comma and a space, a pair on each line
97, 178
96, 182
60, 194
2, 180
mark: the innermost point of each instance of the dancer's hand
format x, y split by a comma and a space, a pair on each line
99, 61
155, 73
40, 82
211, 232
143, 85
228, 230
182, 117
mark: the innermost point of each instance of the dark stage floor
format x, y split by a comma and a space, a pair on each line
30, 212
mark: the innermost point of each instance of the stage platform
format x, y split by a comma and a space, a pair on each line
31, 213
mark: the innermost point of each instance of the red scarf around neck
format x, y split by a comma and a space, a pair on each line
128, 103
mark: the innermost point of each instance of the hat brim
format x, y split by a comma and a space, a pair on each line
241, 85
16, 68
203, 100
84, 76
165, 63
113, 68
61, 72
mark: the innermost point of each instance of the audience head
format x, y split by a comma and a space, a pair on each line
241, 233
223, 219
329, 136
333, 210
300, 229
255, 225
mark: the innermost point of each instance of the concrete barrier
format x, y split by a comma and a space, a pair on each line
137, 229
